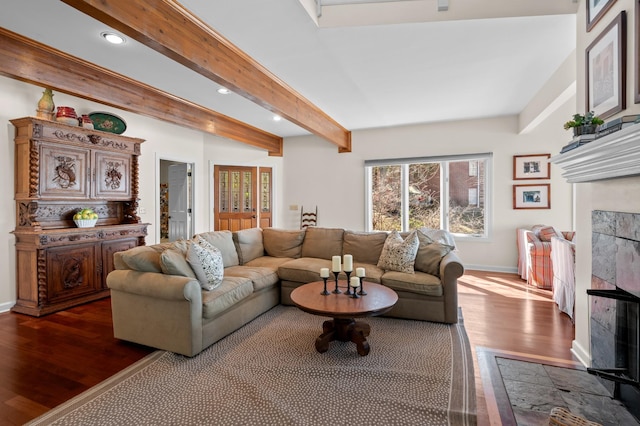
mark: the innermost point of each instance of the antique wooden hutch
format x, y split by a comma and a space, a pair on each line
60, 169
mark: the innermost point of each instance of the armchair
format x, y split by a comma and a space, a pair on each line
534, 254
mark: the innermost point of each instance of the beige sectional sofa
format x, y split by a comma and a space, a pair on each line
158, 301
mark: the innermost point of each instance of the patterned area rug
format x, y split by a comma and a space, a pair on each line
269, 372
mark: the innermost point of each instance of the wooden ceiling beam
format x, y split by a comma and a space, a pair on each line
170, 29
27, 60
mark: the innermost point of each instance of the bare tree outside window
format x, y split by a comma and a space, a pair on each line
386, 198
455, 192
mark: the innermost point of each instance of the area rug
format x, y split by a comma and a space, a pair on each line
269, 372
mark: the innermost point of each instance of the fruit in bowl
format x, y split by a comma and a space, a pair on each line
85, 218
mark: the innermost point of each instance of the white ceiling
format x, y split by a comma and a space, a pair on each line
363, 76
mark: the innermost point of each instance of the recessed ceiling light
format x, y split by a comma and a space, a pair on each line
223, 91
113, 38
277, 118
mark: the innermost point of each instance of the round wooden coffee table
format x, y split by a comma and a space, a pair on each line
344, 309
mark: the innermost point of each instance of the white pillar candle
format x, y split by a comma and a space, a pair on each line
355, 282
335, 264
360, 272
324, 272
348, 263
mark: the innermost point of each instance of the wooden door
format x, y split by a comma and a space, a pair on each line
235, 205
266, 197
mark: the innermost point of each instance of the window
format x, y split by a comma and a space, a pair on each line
436, 192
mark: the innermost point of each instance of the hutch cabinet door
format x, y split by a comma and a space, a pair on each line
112, 176
111, 247
72, 271
63, 171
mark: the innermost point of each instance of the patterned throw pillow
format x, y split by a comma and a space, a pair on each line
206, 262
430, 254
398, 254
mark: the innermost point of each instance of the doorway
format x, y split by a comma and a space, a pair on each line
176, 200
243, 197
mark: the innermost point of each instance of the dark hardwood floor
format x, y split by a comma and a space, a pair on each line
46, 361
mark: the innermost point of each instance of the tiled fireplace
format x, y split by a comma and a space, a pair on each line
615, 301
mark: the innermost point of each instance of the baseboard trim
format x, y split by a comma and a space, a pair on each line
5, 307
509, 270
579, 352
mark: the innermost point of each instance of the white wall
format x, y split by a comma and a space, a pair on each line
318, 175
162, 140
617, 194
311, 172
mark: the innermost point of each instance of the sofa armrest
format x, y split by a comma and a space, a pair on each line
153, 284
157, 310
451, 269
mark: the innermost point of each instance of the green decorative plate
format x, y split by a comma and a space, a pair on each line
108, 122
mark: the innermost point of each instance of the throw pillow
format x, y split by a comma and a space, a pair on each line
142, 258
174, 262
439, 235
430, 254
545, 233
398, 254
206, 264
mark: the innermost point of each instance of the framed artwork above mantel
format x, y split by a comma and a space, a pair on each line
596, 10
606, 69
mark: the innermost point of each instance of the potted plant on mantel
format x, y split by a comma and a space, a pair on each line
584, 124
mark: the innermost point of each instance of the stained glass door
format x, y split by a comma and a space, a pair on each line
235, 198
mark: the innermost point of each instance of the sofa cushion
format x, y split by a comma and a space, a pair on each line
322, 242
261, 277
430, 254
303, 270
269, 262
206, 262
174, 262
223, 241
398, 254
142, 258
365, 247
372, 272
282, 243
418, 282
230, 292
248, 244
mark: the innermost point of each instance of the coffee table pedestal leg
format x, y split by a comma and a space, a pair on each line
344, 330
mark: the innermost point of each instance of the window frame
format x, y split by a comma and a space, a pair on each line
444, 189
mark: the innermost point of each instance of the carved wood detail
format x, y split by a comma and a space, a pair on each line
42, 278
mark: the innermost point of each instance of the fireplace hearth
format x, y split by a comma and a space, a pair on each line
615, 305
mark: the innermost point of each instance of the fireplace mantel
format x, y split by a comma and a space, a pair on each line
613, 156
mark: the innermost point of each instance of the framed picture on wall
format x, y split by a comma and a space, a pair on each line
532, 196
606, 69
596, 10
532, 166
